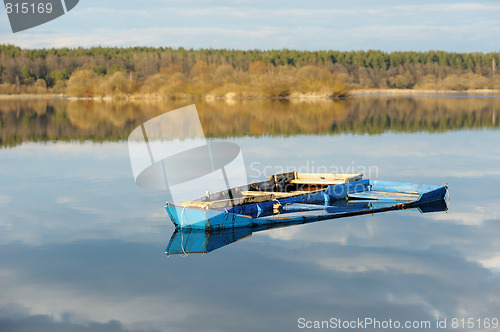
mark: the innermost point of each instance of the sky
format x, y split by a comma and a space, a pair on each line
455, 26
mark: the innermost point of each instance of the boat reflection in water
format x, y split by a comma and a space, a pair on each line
188, 240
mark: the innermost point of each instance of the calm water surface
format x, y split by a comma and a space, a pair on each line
82, 248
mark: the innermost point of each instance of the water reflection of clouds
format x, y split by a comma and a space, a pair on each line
92, 280
444, 157
4, 199
467, 218
64, 267
492, 262
436, 280
475, 241
46, 323
63, 197
96, 281
65, 304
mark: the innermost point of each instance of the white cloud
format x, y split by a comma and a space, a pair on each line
492, 262
463, 218
445, 7
65, 200
58, 301
377, 262
4, 200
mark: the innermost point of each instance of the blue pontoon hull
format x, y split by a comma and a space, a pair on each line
335, 201
190, 240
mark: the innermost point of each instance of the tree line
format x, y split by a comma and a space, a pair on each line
188, 73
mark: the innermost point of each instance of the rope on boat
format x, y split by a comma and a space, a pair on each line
182, 236
182, 244
181, 221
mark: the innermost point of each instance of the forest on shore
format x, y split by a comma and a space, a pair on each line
163, 72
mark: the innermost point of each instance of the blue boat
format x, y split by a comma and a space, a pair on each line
200, 241
296, 198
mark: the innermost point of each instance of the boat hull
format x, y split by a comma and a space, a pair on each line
335, 201
191, 240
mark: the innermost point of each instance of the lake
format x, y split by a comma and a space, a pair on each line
82, 248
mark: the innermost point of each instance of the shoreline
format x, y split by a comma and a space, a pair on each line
411, 92
353, 93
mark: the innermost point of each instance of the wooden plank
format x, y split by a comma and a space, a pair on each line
276, 194
316, 182
256, 193
325, 179
307, 191
327, 175
226, 203
384, 195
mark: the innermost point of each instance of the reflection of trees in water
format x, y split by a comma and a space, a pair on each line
22, 121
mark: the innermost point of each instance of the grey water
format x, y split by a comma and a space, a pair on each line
82, 248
